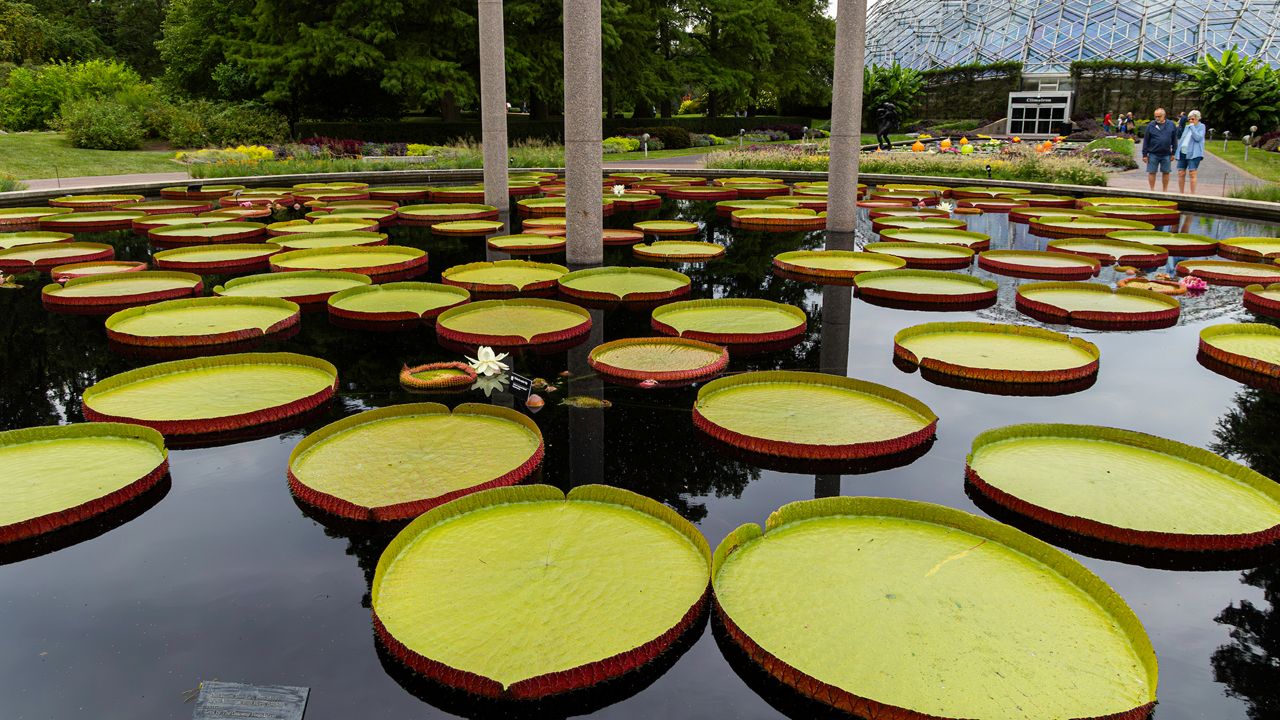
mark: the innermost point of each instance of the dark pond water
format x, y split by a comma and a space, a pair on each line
220, 575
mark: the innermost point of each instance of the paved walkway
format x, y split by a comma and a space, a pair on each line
1217, 176
93, 181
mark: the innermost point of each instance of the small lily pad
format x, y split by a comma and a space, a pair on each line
513, 323
663, 360
1097, 306
1226, 272
666, 227
526, 244
994, 352
1039, 264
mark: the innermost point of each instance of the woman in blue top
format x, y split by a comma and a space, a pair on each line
1190, 149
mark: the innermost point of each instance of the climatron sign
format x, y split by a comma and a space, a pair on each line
1038, 114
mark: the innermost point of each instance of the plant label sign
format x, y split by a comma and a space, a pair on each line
520, 385
224, 700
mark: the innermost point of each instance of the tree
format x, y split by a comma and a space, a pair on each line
535, 54
1235, 92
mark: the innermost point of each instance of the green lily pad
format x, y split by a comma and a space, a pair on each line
467, 227
1037, 264
304, 286
62, 273
307, 241
834, 263
504, 276
29, 215
377, 261
42, 257
161, 207
1263, 299
324, 225
678, 251
666, 227
1110, 251
1226, 272
33, 237
400, 192
339, 185
202, 321
1094, 304
575, 590
924, 255
730, 320
997, 352
924, 286
1250, 247
398, 462
58, 475
518, 322
725, 207
1151, 214
939, 236
207, 233
431, 214
375, 214
216, 258
545, 222
635, 284
91, 221
213, 394
918, 223
811, 415
1175, 243
1250, 346
526, 244
1093, 226
102, 293
396, 301
659, 359
81, 202
987, 191
204, 192
1026, 214
969, 618
1122, 201
1126, 487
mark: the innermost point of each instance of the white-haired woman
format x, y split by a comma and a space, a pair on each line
1190, 149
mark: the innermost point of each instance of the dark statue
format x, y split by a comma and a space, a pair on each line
887, 116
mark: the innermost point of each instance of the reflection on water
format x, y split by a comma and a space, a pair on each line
224, 576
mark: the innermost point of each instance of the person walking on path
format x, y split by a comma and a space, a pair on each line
1158, 141
1190, 149
1106, 123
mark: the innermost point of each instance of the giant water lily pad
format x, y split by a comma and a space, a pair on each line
504, 276
308, 241
662, 360
1180, 244
620, 236
331, 224
150, 222
227, 258
1109, 251
58, 475
63, 273
202, 321
705, 193
1125, 487
466, 228
909, 212
574, 590
727, 207
206, 233
915, 223
1254, 347
811, 415
106, 293
382, 263
981, 191
730, 320
558, 221
678, 251
201, 192
791, 219
42, 257
24, 216
1096, 305
304, 287
1039, 264
969, 618
939, 236
666, 227
1122, 201
1263, 299
526, 244
1045, 200
1250, 248
444, 212
1027, 214
397, 462
1093, 226
840, 264
395, 302
1226, 272
84, 203
166, 207
513, 323
994, 205
997, 352
102, 221
628, 284
31, 237
925, 287
633, 201
925, 255
400, 193
1151, 214
211, 395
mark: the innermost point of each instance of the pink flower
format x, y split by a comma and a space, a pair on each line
649, 384
1194, 284
246, 204
296, 206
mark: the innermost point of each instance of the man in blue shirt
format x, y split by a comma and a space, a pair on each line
1158, 141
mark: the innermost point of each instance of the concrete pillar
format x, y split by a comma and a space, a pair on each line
846, 115
582, 154
493, 105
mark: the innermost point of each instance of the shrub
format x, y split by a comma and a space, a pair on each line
31, 98
246, 122
335, 146
101, 125
9, 183
693, 106
621, 144
242, 154
1236, 91
672, 137
1269, 192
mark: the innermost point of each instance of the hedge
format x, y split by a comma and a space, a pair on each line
433, 132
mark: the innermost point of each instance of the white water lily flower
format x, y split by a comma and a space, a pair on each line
487, 363
946, 206
619, 189
489, 384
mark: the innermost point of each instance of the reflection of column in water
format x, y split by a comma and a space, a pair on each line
586, 425
842, 240
994, 224
833, 358
1020, 237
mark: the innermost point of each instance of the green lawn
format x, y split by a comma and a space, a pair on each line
47, 155
1265, 165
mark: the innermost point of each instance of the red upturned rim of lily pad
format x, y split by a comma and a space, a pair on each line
228, 232
1144, 255
905, 211
53, 300
1152, 539
259, 260
729, 305
88, 252
1099, 319
710, 370
213, 425
344, 508
22, 217
63, 273
467, 228
414, 215
667, 227
883, 202
568, 289
1002, 375
1005, 262
992, 205
462, 337
797, 219
555, 683
713, 251
464, 377
448, 277
1153, 215
95, 221
960, 256
1186, 245
217, 338
227, 201
49, 522
414, 264
204, 192
92, 203
1219, 272
785, 262
1255, 301
552, 244
336, 310
1056, 201
166, 207
815, 451
1025, 215
1048, 226
547, 231
702, 192
1257, 365
456, 195
983, 290
620, 236
637, 200
397, 194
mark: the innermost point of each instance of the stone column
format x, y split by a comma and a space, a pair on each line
493, 105
582, 154
846, 115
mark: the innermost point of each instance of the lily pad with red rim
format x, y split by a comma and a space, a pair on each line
636, 201
831, 575
1122, 201
1151, 214
97, 221
399, 193
839, 264
1250, 248
663, 360
395, 302
202, 192
982, 191
1254, 347
206, 233
1039, 264
1178, 244
431, 214
706, 193
149, 222
455, 194
106, 293
45, 256
397, 462
202, 321
620, 236
925, 287
907, 212
32, 237
224, 258
810, 415
91, 203
1263, 299
441, 376
506, 277
1091, 226
667, 227
307, 241
380, 215
607, 578
1027, 214
678, 251
1042, 200
59, 475
730, 321
468, 228
1108, 251
788, 220
211, 395
382, 263
1097, 306
624, 284
526, 244
995, 352
1227, 272
1125, 487
975, 241
919, 255
263, 202
63, 273
518, 322
994, 205
530, 224
28, 216
166, 207
331, 224
305, 287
